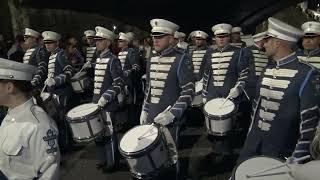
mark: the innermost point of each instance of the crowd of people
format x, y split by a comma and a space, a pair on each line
267, 94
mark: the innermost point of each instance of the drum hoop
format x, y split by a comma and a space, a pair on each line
83, 118
88, 139
142, 152
232, 113
78, 79
236, 167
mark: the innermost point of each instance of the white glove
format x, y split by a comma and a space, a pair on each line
102, 102
308, 171
204, 100
143, 117
164, 118
50, 82
87, 65
234, 93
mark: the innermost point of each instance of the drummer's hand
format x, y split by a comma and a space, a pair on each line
234, 93
50, 82
102, 102
164, 118
204, 100
143, 117
87, 65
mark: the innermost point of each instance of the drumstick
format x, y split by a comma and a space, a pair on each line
278, 166
269, 174
228, 97
44, 87
147, 131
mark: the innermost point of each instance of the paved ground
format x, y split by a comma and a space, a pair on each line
195, 153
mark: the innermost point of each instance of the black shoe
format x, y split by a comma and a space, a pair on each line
100, 165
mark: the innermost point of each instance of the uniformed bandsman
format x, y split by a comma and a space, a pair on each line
311, 43
225, 75
198, 54
192, 42
91, 49
131, 66
59, 73
236, 33
170, 80
258, 60
286, 108
108, 84
179, 40
29, 137
36, 56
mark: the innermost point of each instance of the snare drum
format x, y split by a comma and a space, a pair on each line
80, 82
197, 100
219, 117
145, 150
86, 122
258, 164
50, 104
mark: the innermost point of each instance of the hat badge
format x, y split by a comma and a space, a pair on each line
310, 25
156, 23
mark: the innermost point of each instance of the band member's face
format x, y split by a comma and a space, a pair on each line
222, 40
260, 44
200, 42
236, 37
102, 44
311, 43
271, 45
51, 46
90, 41
6, 88
122, 43
29, 41
161, 43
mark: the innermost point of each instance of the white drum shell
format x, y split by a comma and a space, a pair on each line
219, 125
78, 82
87, 127
149, 162
256, 164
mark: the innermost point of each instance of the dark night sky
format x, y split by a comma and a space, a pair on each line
200, 14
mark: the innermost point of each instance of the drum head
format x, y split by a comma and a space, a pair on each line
79, 74
139, 138
199, 86
82, 110
261, 163
215, 107
44, 96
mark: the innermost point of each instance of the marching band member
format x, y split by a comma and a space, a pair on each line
225, 75
36, 56
57, 82
258, 60
236, 37
131, 66
108, 83
198, 54
311, 43
286, 108
170, 81
29, 137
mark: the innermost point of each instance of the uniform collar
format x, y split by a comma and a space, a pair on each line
20, 108
224, 48
34, 46
125, 49
202, 48
166, 51
312, 52
287, 59
105, 52
56, 50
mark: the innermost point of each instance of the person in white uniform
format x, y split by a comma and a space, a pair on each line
28, 136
